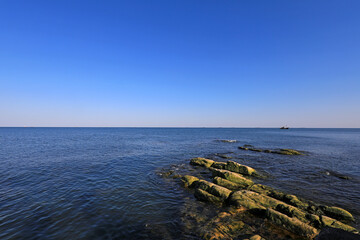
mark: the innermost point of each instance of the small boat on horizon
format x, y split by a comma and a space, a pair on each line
284, 127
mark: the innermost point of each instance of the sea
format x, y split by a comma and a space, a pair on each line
108, 183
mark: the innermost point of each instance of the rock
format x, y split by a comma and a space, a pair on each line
174, 176
223, 156
239, 168
228, 141
166, 173
259, 188
243, 148
205, 196
314, 220
188, 180
256, 237
225, 226
219, 165
255, 149
287, 198
283, 151
337, 213
251, 200
294, 200
231, 176
287, 152
248, 146
228, 184
329, 222
202, 162
292, 224
213, 189
292, 211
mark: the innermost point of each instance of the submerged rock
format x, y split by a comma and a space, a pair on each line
223, 156
284, 151
287, 152
228, 141
224, 226
206, 197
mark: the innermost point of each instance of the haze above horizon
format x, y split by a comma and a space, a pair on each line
180, 63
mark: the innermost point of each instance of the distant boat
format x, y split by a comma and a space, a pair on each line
284, 127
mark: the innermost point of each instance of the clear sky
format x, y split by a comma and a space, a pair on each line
189, 63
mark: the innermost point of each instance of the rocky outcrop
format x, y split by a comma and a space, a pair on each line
232, 186
291, 223
284, 151
202, 162
338, 213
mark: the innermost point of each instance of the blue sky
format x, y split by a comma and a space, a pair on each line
180, 63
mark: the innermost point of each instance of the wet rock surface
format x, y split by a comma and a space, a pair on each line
244, 209
282, 151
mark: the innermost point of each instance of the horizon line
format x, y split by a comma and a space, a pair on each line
166, 127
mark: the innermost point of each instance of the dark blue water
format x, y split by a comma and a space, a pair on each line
101, 183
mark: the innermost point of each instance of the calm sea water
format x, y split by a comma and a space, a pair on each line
101, 183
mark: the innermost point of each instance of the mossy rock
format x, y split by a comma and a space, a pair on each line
231, 176
314, 220
213, 189
206, 197
295, 201
251, 200
229, 185
286, 151
243, 148
255, 149
330, 222
292, 211
292, 224
188, 180
239, 168
338, 213
219, 165
259, 188
287, 198
223, 156
202, 162
225, 226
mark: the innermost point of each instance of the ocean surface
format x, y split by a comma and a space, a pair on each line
104, 183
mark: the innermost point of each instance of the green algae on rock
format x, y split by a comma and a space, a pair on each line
229, 185
207, 197
231, 176
329, 222
213, 189
338, 213
292, 224
287, 152
283, 151
202, 162
288, 212
189, 180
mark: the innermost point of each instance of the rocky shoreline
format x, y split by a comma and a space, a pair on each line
242, 204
